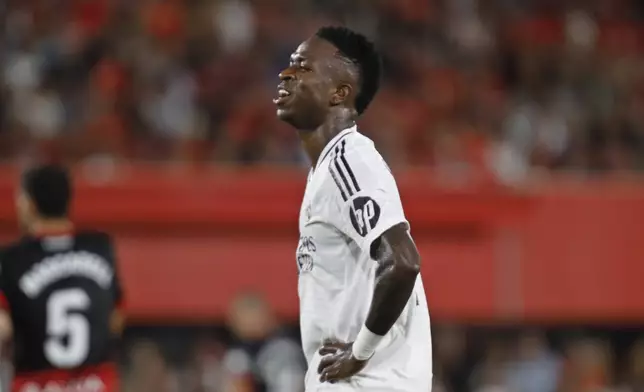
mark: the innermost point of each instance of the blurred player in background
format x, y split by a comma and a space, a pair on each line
60, 294
263, 358
363, 313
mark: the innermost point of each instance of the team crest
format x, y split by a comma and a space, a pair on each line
304, 263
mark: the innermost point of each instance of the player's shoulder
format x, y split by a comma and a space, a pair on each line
14, 249
95, 241
17, 255
27, 244
357, 144
356, 165
93, 236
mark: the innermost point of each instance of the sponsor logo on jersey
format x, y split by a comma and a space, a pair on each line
305, 251
364, 214
64, 265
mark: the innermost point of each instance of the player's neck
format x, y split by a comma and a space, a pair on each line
51, 226
315, 141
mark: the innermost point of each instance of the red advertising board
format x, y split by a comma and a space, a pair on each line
190, 239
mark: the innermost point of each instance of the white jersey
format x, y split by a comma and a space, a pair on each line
351, 199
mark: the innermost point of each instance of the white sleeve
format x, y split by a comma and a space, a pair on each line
368, 199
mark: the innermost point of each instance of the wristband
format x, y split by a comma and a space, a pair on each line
365, 345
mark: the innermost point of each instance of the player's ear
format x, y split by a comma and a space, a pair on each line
341, 94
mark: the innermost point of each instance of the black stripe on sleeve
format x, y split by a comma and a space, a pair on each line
336, 164
337, 182
348, 168
331, 148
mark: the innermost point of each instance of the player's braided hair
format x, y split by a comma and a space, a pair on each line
360, 51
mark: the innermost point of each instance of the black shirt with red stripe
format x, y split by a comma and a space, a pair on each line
60, 290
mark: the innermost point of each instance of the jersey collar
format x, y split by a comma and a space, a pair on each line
333, 142
68, 231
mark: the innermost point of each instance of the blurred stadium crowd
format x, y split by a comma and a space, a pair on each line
477, 359
503, 86
499, 84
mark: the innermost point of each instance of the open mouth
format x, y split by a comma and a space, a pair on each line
282, 97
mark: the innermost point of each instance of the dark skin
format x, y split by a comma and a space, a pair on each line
320, 85
318, 98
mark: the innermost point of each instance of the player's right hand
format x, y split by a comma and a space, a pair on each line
338, 362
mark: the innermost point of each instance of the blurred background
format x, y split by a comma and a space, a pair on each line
515, 129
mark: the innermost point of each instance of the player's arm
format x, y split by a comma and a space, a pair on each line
398, 266
6, 324
117, 318
6, 331
372, 216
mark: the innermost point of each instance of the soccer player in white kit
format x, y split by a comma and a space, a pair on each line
363, 313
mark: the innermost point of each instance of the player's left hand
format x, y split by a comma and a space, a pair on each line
338, 362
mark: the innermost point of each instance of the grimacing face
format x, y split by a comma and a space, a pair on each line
308, 85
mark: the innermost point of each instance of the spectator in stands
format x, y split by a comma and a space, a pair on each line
488, 375
263, 358
536, 368
493, 87
148, 370
588, 367
635, 369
